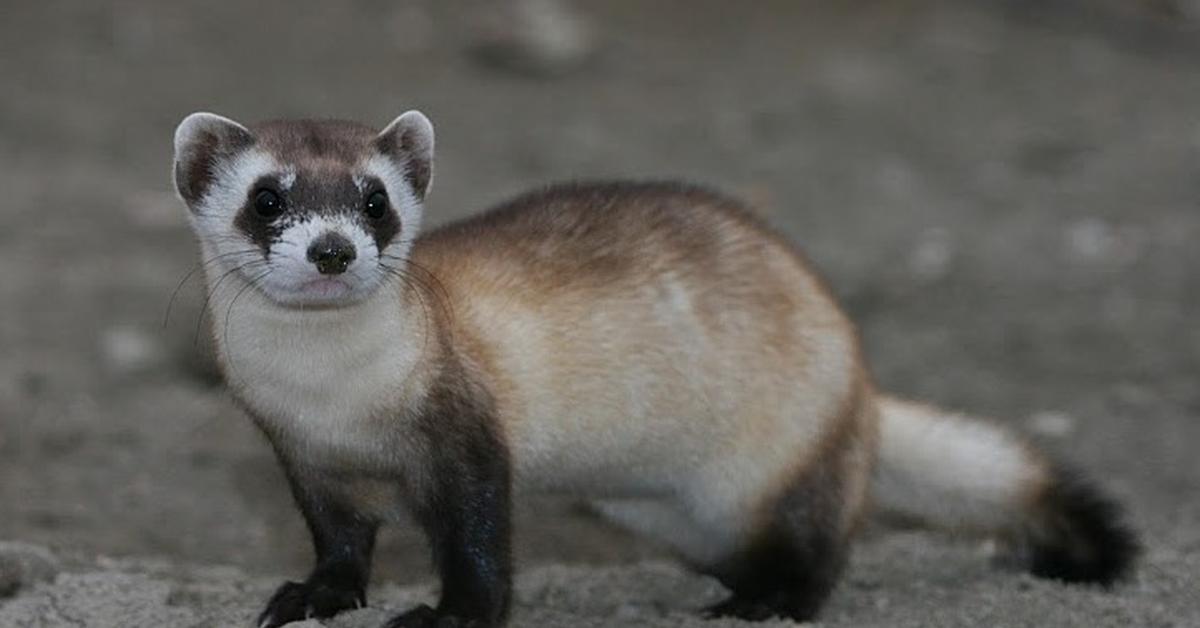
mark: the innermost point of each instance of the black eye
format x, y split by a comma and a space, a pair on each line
267, 204
376, 206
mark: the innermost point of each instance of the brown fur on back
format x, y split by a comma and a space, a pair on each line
570, 290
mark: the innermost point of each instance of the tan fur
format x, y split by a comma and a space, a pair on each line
655, 342
653, 348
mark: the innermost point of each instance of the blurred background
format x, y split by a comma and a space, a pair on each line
1004, 194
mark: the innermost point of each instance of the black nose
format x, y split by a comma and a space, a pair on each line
332, 253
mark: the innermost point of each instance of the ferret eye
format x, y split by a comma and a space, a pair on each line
376, 206
267, 204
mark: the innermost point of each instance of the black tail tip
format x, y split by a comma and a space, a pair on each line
1081, 534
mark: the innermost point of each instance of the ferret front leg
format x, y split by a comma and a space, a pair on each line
468, 525
343, 541
465, 509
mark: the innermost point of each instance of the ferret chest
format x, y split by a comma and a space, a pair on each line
332, 394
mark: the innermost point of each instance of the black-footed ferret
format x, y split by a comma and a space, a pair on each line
651, 347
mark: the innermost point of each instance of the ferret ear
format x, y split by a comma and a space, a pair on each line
202, 142
408, 140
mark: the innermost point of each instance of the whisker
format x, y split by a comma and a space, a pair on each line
213, 292
425, 281
406, 282
435, 289
229, 314
427, 278
196, 268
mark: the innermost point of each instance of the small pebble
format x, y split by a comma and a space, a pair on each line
1050, 423
932, 256
128, 349
543, 38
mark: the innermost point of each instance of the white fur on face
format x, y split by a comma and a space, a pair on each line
287, 179
291, 279
226, 250
403, 200
284, 274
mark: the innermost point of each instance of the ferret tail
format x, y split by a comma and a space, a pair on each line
965, 474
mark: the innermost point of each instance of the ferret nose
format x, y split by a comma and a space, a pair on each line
332, 253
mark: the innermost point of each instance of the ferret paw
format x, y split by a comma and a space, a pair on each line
424, 616
758, 609
740, 608
297, 601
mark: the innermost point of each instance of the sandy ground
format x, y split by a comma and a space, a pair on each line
1004, 193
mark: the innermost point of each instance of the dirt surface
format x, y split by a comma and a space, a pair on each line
1005, 194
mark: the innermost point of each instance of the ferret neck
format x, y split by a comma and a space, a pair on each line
245, 320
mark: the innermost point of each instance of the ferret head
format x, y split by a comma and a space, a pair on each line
310, 213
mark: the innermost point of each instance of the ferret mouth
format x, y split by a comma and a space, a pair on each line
299, 286
325, 287
319, 292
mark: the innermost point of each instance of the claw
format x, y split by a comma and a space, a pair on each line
296, 601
